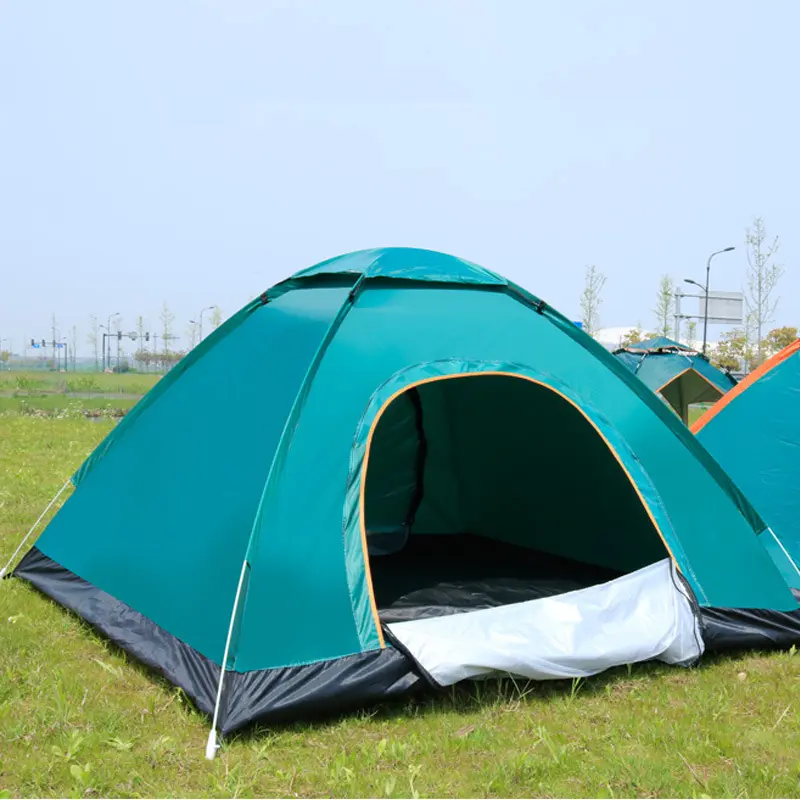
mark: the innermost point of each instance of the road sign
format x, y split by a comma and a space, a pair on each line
724, 307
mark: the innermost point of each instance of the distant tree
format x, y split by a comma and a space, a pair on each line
665, 306
171, 358
5, 356
779, 338
216, 318
763, 274
733, 351
691, 334
591, 299
633, 336
749, 357
74, 347
143, 358
93, 339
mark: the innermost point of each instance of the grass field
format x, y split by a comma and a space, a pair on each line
67, 395
77, 719
135, 383
63, 406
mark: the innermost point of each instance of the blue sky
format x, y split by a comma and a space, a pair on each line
199, 151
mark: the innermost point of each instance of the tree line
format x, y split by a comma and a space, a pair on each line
744, 347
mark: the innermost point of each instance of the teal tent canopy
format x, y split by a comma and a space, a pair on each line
681, 375
754, 434
391, 433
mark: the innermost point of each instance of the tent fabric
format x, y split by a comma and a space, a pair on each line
754, 434
430, 369
681, 375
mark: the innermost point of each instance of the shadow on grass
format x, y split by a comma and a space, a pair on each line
465, 698
504, 693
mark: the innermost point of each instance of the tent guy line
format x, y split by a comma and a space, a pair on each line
33, 527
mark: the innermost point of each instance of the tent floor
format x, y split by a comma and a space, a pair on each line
436, 575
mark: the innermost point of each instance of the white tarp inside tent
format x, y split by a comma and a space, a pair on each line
639, 617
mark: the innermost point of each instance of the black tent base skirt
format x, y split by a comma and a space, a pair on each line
305, 692
269, 696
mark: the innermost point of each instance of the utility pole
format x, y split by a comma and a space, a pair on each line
119, 336
43, 344
53, 342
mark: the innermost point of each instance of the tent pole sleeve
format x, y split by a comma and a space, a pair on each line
785, 551
211, 745
34, 526
299, 402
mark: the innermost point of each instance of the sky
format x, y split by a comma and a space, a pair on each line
195, 152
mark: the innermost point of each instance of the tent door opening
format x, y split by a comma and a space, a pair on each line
487, 489
487, 492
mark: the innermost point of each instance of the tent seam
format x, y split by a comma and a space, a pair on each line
302, 392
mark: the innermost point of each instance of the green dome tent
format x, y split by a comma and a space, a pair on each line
681, 375
356, 485
754, 434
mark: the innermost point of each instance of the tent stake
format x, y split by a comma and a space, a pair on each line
33, 528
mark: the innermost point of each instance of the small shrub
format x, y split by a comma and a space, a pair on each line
87, 383
25, 383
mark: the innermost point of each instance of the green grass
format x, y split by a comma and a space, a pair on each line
83, 382
77, 718
695, 412
63, 406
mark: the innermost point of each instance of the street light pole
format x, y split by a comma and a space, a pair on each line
708, 280
107, 362
706, 292
202, 311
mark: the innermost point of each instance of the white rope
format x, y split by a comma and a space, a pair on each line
33, 528
211, 745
